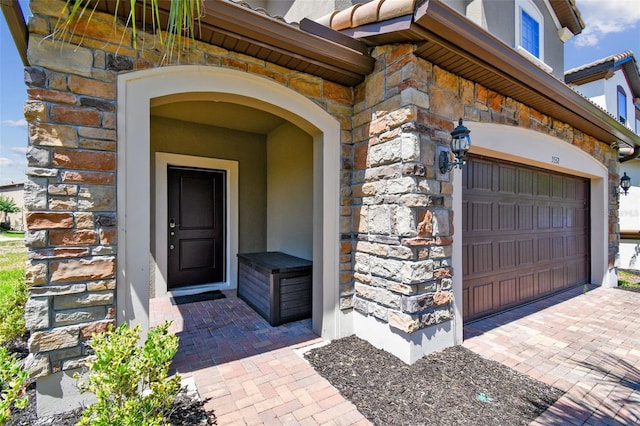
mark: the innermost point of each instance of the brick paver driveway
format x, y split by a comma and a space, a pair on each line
585, 343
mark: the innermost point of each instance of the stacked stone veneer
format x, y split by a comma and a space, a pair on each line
71, 189
396, 210
402, 206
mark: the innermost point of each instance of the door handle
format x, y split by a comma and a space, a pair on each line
172, 223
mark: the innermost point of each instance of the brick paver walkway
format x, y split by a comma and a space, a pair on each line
248, 371
586, 344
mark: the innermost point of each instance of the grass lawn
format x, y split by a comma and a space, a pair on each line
13, 291
629, 278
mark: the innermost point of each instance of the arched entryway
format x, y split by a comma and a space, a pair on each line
137, 93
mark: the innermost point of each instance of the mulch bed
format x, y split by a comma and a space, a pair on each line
454, 386
186, 412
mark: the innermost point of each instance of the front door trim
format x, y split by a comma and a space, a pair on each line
164, 159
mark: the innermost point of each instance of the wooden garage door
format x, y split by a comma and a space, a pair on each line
525, 234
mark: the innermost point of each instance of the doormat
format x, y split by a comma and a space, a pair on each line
200, 297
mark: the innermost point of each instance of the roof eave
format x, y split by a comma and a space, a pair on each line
271, 31
568, 15
445, 25
633, 75
17, 27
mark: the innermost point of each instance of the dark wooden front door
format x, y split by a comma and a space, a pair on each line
196, 227
525, 234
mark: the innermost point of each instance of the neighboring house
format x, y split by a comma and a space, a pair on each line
613, 83
324, 140
14, 191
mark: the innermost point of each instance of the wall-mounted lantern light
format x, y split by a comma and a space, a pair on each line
625, 183
460, 144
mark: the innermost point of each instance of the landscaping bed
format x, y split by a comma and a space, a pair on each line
629, 279
454, 386
187, 410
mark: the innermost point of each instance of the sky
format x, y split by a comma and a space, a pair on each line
612, 26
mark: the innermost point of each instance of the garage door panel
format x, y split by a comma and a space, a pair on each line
506, 217
557, 186
508, 292
571, 189
543, 185
525, 252
525, 216
557, 217
506, 254
557, 247
482, 297
527, 287
544, 217
481, 217
507, 179
482, 176
557, 277
465, 216
465, 299
482, 258
544, 248
526, 234
525, 182
545, 282
465, 259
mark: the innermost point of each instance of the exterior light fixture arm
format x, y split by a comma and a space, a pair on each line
460, 144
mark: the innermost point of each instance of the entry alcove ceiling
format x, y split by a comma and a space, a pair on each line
220, 114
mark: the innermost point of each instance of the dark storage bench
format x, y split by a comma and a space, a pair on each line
276, 285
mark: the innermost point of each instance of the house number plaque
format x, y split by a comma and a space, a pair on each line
555, 160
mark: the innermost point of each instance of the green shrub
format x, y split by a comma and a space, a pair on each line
130, 381
13, 296
12, 379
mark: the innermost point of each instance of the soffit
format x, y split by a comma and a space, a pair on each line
568, 15
240, 29
452, 42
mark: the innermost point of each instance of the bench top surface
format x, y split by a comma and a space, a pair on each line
275, 260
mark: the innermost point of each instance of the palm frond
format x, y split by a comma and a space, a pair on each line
183, 22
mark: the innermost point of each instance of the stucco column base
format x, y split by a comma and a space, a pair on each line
58, 393
408, 347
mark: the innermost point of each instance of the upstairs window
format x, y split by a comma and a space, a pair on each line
529, 29
622, 105
530, 34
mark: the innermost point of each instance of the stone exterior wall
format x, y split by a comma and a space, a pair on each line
71, 186
402, 206
396, 209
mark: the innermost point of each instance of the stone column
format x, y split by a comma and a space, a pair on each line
402, 209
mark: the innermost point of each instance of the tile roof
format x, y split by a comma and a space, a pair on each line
367, 13
383, 10
613, 59
604, 68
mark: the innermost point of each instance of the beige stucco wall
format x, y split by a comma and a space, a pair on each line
290, 191
249, 149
